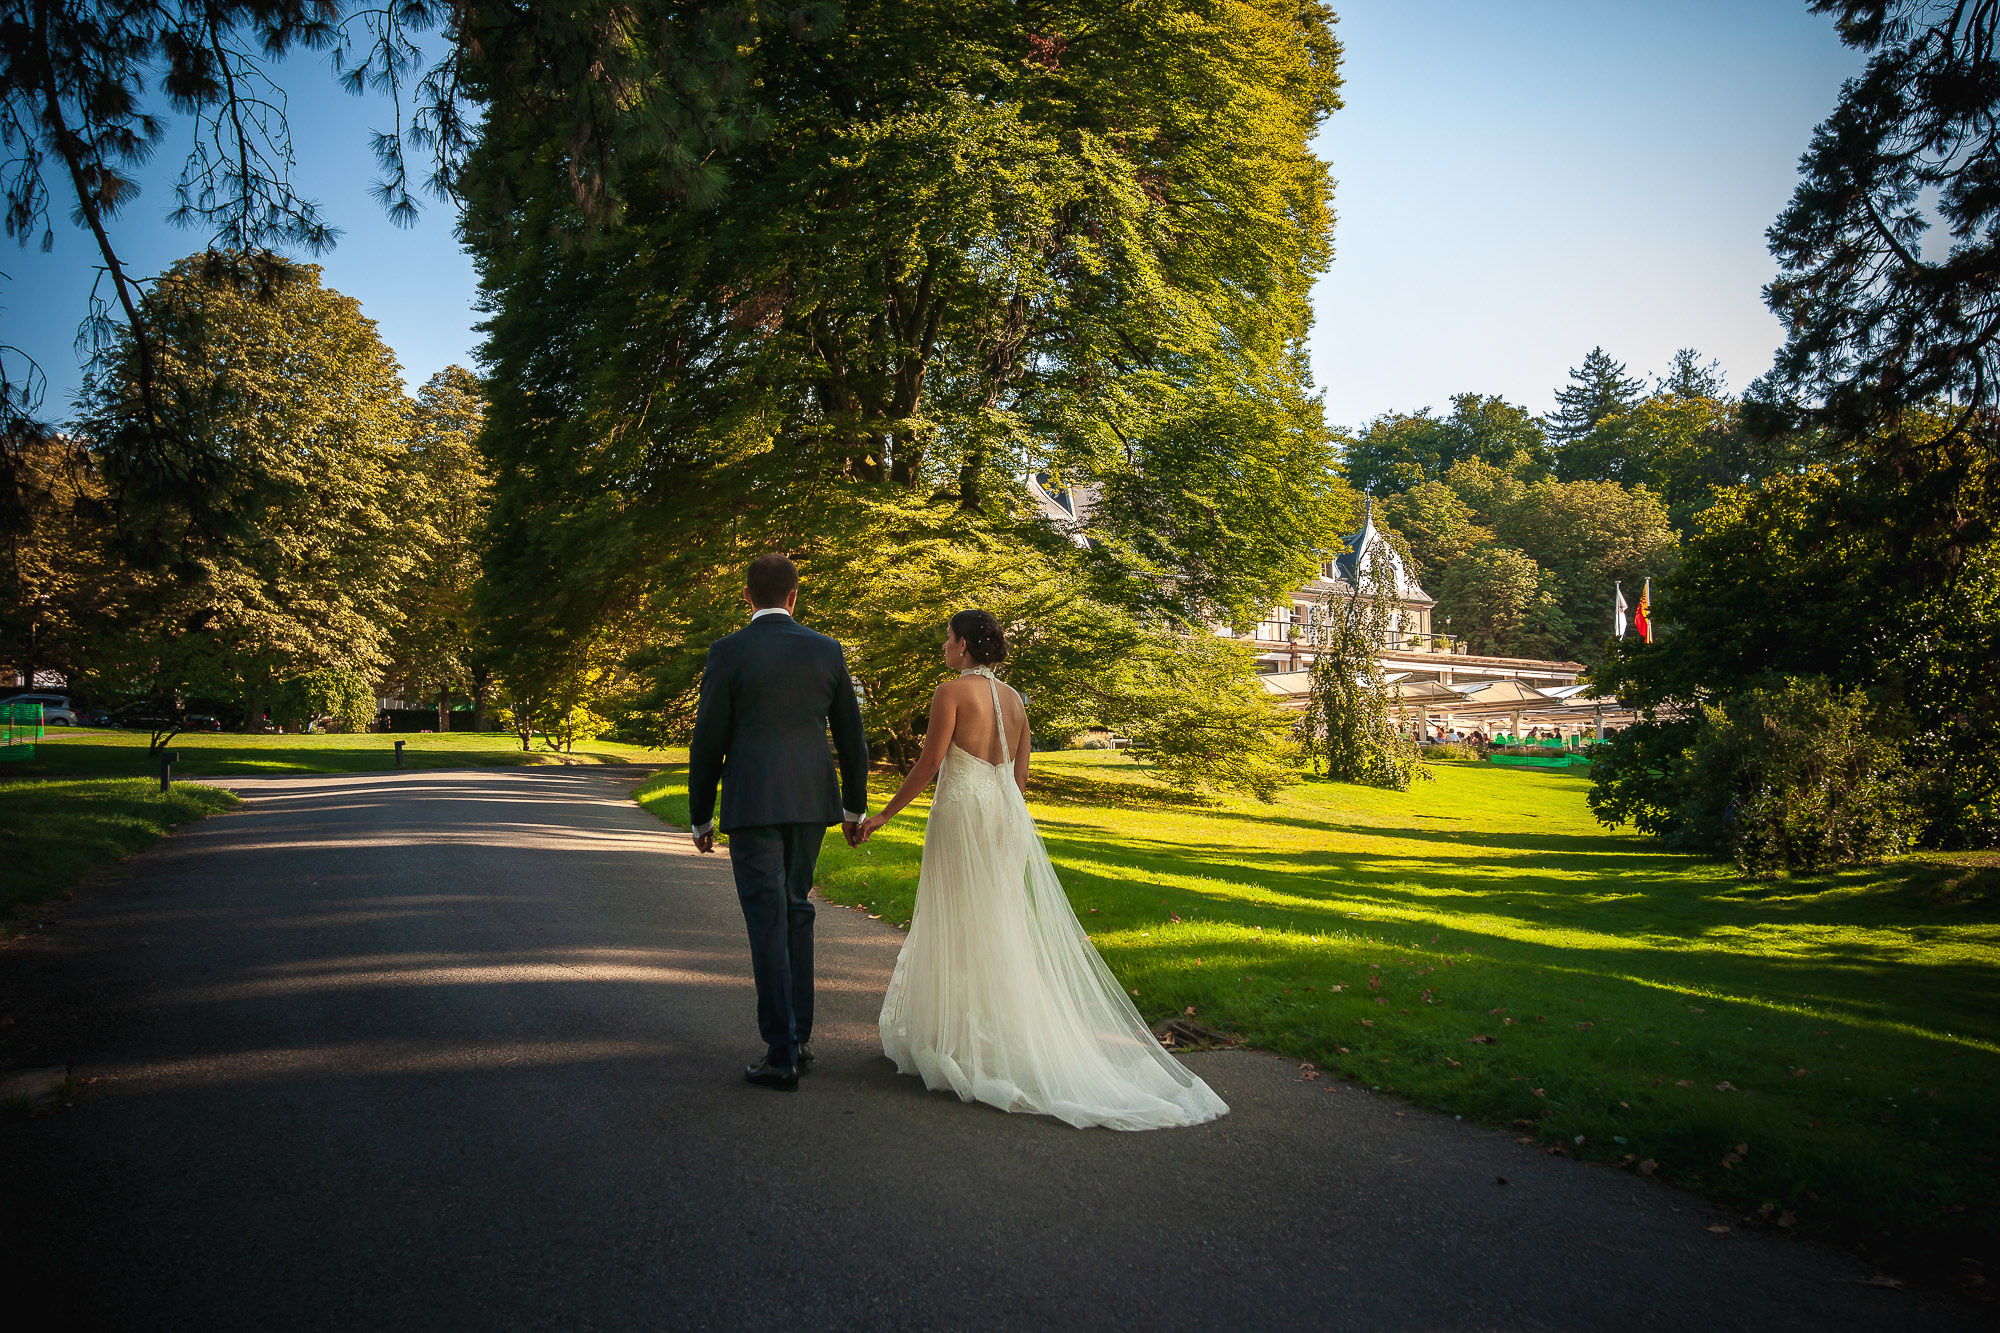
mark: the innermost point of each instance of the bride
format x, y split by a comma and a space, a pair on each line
998, 994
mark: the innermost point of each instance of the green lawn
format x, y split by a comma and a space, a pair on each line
84, 752
1830, 1048
54, 833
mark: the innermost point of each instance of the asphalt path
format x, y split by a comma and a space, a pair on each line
463, 1049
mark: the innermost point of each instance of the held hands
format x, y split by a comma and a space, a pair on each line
852, 832
705, 842
868, 827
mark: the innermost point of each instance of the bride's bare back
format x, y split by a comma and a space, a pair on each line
972, 729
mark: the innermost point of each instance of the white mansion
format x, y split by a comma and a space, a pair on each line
1444, 687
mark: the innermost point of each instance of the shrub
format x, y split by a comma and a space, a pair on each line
334, 698
1442, 750
1789, 775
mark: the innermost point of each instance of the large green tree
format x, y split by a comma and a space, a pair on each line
1812, 574
1596, 389
1680, 447
1501, 602
298, 393
966, 243
435, 650
1399, 451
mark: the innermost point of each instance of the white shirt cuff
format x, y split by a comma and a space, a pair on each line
849, 817
703, 829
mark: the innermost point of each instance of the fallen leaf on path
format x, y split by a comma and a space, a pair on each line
1483, 1041
1648, 1167
1539, 1092
1341, 1049
1366, 1022
1189, 1011
1717, 1228
1684, 1083
1788, 1219
1453, 1063
1884, 1280
1725, 1086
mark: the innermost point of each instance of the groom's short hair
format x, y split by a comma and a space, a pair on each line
770, 580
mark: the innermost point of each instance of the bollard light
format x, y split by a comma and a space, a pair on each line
168, 758
399, 752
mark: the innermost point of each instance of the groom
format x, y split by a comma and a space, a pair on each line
768, 694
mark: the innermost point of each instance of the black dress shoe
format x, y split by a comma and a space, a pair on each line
806, 1058
785, 1078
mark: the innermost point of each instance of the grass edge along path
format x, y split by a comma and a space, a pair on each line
87, 752
1821, 1054
53, 834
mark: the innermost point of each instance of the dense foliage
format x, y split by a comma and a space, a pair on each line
1829, 573
325, 699
1880, 316
435, 650
298, 393
963, 245
1787, 775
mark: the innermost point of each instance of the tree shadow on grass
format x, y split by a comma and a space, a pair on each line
1652, 917
1069, 786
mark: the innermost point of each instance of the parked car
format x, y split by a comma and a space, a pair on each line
146, 715
56, 711
201, 722
95, 717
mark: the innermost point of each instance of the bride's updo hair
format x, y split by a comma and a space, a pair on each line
982, 636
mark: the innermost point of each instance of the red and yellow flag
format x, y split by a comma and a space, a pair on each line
1642, 619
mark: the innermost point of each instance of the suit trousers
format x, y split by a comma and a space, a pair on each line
773, 864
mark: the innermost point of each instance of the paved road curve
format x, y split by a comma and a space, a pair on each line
460, 1050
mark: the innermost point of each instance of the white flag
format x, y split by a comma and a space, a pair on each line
1617, 611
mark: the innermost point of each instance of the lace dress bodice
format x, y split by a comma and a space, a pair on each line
964, 776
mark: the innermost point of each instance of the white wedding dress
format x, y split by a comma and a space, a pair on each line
998, 993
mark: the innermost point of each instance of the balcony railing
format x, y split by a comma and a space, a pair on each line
1282, 632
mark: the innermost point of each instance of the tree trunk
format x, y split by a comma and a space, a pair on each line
444, 712
481, 682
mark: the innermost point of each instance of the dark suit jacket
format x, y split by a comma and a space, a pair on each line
768, 694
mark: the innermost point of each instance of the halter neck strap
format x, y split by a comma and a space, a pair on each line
999, 723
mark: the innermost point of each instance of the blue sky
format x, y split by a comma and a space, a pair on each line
1517, 183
